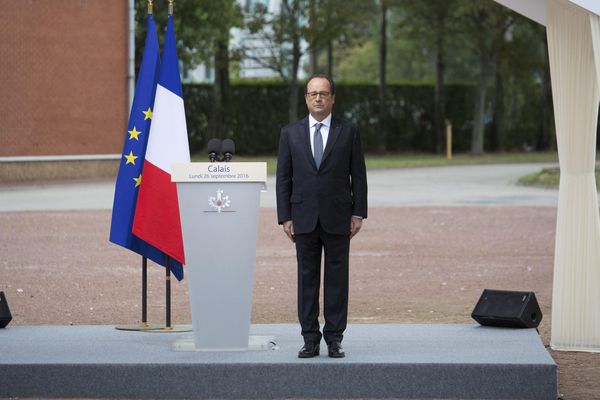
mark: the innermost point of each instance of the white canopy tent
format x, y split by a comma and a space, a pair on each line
573, 31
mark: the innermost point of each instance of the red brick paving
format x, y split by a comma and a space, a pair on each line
408, 265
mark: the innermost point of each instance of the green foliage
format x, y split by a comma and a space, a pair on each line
257, 113
199, 25
516, 62
350, 27
548, 177
259, 110
314, 23
360, 63
411, 160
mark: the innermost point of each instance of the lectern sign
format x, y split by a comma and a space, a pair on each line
220, 172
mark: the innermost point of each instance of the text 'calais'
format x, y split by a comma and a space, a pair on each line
218, 168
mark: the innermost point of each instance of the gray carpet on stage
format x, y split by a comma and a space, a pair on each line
382, 361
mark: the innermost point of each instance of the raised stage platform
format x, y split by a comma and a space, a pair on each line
382, 361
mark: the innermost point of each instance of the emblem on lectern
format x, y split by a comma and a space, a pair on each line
219, 202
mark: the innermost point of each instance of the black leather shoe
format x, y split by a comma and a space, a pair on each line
309, 350
335, 350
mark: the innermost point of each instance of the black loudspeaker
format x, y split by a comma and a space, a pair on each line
508, 309
5, 316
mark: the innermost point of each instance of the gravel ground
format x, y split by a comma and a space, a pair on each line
408, 265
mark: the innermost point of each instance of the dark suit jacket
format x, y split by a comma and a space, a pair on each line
333, 193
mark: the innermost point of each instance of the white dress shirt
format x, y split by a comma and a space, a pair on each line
324, 131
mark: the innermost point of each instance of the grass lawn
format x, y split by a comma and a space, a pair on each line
548, 177
411, 160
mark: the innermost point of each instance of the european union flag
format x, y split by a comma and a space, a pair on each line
134, 151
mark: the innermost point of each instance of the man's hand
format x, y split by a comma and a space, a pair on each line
288, 228
355, 225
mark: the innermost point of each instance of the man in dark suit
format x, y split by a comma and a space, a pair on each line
321, 202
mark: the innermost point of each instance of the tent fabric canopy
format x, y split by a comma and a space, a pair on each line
536, 9
573, 31
573, 36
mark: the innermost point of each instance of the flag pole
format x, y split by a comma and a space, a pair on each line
168, 327
144, 259
144, 291
168, 263
168, 294
143, 325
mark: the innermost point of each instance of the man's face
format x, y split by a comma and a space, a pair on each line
319, 99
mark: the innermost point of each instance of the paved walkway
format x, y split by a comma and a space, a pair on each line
436, 186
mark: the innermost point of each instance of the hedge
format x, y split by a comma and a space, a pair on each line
259, 110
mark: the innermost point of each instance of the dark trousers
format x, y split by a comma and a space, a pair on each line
309, 248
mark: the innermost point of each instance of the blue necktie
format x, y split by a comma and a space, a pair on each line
318, 144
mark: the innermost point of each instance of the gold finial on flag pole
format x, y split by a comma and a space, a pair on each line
149, 6
171, 7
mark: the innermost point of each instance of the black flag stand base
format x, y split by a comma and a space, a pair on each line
168, 329
144, 325
138, 327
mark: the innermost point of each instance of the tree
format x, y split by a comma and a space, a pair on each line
203, 30
346, 23
223, 15
281, 35
382, 145
523, 88
195, 31
434, 22
301, 26
493, 20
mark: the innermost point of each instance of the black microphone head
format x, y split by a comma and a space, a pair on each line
214, 148
228, 146
228, 149
214, 145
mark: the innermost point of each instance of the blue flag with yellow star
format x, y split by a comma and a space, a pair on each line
132, 160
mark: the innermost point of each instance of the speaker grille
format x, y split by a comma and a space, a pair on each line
507, 309
509, 305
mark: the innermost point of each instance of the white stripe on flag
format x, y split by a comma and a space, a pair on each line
168, 142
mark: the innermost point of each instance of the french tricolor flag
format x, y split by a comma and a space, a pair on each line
157, 211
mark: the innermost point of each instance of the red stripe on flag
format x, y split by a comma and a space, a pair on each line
157, 212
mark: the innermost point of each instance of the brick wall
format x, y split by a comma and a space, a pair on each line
63, 77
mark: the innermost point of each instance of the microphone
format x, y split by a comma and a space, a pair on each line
228, 149
214, 148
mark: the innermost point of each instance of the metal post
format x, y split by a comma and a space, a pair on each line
168, 328
168, 293
448, 140
144, 291
143, 325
